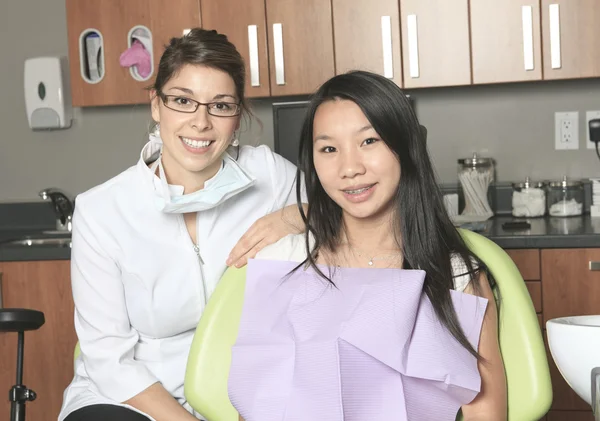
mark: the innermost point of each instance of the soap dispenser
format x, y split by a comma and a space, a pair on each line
47, 93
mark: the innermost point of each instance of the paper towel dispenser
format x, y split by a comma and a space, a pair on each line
47, 94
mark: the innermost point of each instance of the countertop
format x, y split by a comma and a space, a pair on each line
547, 232
9, 252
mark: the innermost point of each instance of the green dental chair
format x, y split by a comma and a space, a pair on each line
521, 343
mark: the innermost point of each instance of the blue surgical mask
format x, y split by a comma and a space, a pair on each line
229, 181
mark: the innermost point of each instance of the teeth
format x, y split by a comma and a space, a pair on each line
357, 191
196, 143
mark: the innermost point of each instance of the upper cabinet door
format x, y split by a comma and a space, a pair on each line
571, 38
300, 37
99, 32
505, 40
367, 37
435, 43
247, 30
171, 19
97, 36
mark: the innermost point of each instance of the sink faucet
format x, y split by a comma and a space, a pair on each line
63, 207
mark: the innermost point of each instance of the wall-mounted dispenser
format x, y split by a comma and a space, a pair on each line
47, 93
91, 55
139, 56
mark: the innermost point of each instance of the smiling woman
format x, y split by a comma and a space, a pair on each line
350, 160
409, 329
185, 107
150, 245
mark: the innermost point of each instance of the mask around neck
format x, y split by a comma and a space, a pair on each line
229, 181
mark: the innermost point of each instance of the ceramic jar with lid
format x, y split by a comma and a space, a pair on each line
565, 197
529, 199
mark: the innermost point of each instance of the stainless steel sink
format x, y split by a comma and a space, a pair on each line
57, 233
42, 241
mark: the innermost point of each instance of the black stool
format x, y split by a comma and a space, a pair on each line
20, 320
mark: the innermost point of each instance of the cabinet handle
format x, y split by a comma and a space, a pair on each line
386, 39
278, 47
253, 51
413, 45
555, 58
527, 17
1, 302
594, 266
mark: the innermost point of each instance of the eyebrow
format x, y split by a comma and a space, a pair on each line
186, 90
190, 92
327, 137
322, 137
221, 96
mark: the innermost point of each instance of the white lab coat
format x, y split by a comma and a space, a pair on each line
139, 284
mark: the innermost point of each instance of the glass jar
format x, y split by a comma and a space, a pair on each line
565, 198
528, 199
475, 175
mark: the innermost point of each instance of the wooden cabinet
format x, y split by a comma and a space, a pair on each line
247, 30
112, 21
528, 263
569, 289
367, 37
505, 40
168, 19
291, 47
300, 38
561, 284
48, 359
570, 416
571, 38
435, 43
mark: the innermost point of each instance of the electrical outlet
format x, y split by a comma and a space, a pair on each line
566, 130
590, 115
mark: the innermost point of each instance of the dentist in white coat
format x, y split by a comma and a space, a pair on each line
150, 245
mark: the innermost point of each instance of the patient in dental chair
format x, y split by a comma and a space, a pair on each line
378, 311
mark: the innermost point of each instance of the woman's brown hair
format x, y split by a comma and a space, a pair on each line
203, 47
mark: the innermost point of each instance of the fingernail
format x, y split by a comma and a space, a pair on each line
237, 265
228, 262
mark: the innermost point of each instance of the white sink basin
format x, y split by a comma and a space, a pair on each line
575, 347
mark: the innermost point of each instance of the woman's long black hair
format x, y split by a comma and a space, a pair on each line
425, 234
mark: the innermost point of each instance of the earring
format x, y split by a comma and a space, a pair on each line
235, 142
156, 130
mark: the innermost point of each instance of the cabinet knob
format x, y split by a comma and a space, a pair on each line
595, 266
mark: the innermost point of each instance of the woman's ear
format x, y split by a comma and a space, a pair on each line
155, 105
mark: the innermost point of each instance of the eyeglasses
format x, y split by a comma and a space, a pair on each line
187, 105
